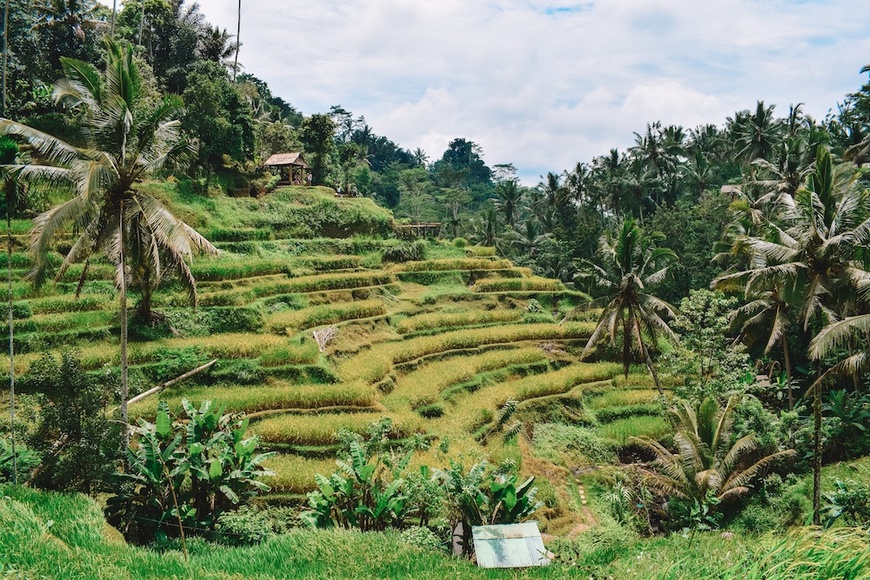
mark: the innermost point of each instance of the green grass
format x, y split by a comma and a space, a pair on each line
60, 536
620, 430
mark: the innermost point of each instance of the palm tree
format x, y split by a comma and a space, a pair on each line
758, 133
629, 263
238, 41
8, 153
5, 57
529, 237
508, 198
706, 462
813, 244
768, 314
834, 337
109, 214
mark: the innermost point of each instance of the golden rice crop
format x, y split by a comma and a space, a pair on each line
447, 319
517, 284
425, 384
324, 314
454, 264
275, 395
620, 397
295, 474
464, 416
322, 429
373, 364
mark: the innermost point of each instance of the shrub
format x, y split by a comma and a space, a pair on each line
367, 491
569, 445
423, 538
850, 500
432, 411
460, 242
249, 525
75, 437
405, 252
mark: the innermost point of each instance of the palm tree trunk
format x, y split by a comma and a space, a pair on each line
5, 57
125, 394
646, 357
817, 454
238, 32
112, 26
11, 342
142, 23
787, 360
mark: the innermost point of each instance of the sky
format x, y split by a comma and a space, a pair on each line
544, 84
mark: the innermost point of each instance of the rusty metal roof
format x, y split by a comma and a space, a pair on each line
509, 546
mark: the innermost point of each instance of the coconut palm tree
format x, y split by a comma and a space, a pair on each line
706, 463
238, 41
813, 244
508, 197
109, 214
767, 314
629, 264
8, 153
834, 337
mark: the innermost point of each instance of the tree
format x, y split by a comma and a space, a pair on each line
629, 264
508, 196
767, 314
217, 117
78, 442
8, 153
350, 156
834, 337
813, 245
111, 216
707, 464
757, 133
238, 40
316, 135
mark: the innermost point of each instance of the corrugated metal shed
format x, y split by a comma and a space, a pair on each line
509, 546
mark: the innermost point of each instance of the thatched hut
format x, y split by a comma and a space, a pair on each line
290, 166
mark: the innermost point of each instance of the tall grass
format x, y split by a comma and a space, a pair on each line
620, 430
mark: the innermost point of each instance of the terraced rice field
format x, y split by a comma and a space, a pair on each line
438, 346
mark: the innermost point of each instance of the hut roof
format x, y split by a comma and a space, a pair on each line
282, 159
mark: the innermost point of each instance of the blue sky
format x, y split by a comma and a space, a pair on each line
545, 84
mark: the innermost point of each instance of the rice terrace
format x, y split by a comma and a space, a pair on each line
248, 342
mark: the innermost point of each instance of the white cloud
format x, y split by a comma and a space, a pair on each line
544, 84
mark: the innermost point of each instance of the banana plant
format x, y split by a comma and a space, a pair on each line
364, 493
186, 472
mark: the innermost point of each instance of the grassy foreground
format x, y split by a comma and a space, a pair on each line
46, 535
